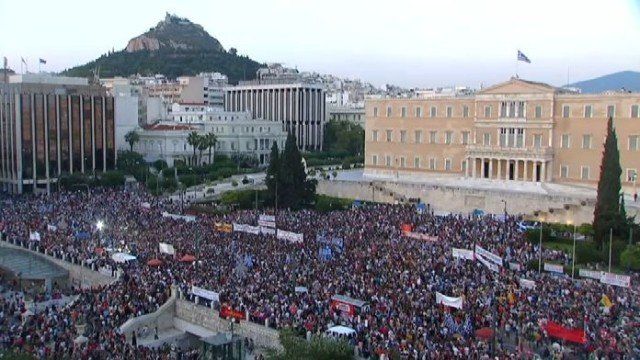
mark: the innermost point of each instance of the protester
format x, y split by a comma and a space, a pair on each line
361, 253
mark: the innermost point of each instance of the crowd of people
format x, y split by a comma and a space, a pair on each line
280, 283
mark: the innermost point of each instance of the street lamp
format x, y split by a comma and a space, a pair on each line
505, 206
573, 256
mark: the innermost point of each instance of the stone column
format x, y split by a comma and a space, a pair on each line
473, 167
490, 168
517, 172
543, 172
467, 170
482, 168
525, 170
535, 171
499, 177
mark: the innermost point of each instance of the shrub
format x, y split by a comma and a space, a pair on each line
113, 178
189, 180
616, 250
630, 257
587, 252
234, 183
160, 164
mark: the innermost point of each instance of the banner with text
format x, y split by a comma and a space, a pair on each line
204, 293
455, 302
591, 274
463, 254
267, 221
418, 236
187, 218
615, 279
488, 255
527, 284
223, 227
554, 268
245, 228
290, 236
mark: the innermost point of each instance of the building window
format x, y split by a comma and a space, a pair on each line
374, 160
611, 111
374, 135
375, 111
632, 174
404, 111
432, 164
403, 162
463, 166
538, 111
537, 141
588, 111
584, 173
447, 164
519, 138
565, 141
434, 112
418, 136
465, 137
465, 111
565, 111
388, 111
433, 137
635, 111
487, 111
503, 137
564, 171
634, 142
388, 161
403, 136
416, 162
586, 141
418, 112
449, 111
448, 137
486, 139
389, 136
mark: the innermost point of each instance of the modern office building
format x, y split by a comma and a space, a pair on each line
51, 126
514, 131
281, 96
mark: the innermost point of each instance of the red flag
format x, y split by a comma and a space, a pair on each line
561, 332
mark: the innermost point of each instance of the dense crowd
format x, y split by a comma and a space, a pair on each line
397, 276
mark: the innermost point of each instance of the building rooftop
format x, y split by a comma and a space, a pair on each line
48, 79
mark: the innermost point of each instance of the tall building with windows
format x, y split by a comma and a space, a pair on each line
280, 95
50, 126
514, 131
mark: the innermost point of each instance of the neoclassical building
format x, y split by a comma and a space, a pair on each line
515, 131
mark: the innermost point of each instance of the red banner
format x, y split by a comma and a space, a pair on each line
561, 332
227, 312
346, 309
406, 228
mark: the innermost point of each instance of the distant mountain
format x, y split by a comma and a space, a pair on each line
174, 47
629, 80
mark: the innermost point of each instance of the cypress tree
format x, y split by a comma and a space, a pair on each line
272, 176
607, 212
296, 189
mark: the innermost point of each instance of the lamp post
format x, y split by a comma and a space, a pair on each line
573, 257
505, 206
540, 250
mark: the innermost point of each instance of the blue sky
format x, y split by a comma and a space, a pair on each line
405, 42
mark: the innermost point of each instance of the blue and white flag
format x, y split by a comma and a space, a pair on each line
523, 57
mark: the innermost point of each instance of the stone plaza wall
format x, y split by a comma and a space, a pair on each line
208, 318
162, 319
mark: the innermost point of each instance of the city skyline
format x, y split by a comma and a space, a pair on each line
351, 40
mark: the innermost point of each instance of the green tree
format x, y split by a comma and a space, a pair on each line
319, 348
193, 139
607, 214
203, 144
296, 189
630, 257
211, 140
132, 137
341, 136
272, 179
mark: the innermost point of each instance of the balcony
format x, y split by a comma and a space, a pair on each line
526, 153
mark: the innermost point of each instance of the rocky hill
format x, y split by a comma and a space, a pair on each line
174, 47
627, 80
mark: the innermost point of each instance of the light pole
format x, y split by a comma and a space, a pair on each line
505, 207
610, 246
540, 250
573, 257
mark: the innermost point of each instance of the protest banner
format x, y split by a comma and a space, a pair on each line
167, 249
554, 268
418, 236
245, 228
527, 284
206, 294
615, 279
223, 227
493, 267
488, 255
558, 331
463, 254
267, 221
187, 218
591, 274
289, 236
455, 302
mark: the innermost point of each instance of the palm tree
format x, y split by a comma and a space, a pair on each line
193, 139
211, 140
202, 145
132, 137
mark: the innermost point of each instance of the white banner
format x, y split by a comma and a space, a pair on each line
301, 289
167, 249
145, 205
244, 228
489, 255
264, 223
290, 236
455, 302
204, 293
591, 274
554, 268
270, 218
187, 218
493, 267
35, 236
527, 284
463, 253
515, 266
615, 279
52, 227
267, 230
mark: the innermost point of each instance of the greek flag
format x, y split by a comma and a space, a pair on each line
523, 57
451, 324
467, 327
